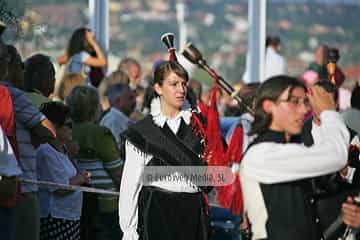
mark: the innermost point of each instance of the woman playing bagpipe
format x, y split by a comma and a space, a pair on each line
163, 209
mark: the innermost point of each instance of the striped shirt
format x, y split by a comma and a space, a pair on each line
99, 155
27, 116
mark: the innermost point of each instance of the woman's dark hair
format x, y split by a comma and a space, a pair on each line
272, 41
148, 97
56, 112
78, 42
271, 90
165, 68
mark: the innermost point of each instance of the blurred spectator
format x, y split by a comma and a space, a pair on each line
39, 76
275, 64
118, 76
60, 210
32, 128
82, 53
70, 81
122, 101
321, 59
98, 154
133, 69
9, 168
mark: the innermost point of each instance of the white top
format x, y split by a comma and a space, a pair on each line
317, 137
274, 63
316, 133
77, 64
8, 163
132, 178
275, 162
271, 162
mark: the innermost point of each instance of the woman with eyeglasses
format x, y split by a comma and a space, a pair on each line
275, 169
60, 210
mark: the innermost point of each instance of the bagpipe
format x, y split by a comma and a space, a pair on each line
215, 153
331, 192
191, 53
353, 161
335, 75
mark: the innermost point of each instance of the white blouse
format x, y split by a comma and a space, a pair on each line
132, 178
271, 163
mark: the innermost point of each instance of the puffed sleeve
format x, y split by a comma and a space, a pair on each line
131, 184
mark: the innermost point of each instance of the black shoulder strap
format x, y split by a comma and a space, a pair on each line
161, 143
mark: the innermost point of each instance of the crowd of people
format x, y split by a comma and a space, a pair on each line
81, 127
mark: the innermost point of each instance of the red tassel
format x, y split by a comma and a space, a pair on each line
234, 150
196, 125
214, 150
237, 204
230, 196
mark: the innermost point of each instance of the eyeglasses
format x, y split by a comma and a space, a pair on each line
297, 102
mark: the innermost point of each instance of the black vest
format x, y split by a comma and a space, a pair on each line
329, 191
289, 205
167, 148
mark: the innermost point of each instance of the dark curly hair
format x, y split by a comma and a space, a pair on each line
56, 112
271, 90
